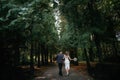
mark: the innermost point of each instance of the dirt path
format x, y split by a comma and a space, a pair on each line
51, 73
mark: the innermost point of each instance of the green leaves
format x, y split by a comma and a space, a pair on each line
86, 17
31, 19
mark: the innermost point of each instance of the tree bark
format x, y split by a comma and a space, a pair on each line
89, 68
31, 59
39, 49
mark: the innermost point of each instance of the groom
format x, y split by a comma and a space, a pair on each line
59, 59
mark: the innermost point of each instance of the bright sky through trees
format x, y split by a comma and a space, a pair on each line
57, 18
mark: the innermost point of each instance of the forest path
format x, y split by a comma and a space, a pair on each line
76, 73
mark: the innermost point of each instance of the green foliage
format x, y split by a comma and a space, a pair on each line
90, 17
33, 19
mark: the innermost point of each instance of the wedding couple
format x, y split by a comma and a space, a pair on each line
63, 58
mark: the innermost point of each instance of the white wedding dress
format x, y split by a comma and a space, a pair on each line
67, 62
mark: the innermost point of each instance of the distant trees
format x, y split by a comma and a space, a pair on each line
91, 25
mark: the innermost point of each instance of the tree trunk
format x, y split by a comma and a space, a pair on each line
43, 54
35, 51
99, 50
39, 49
46, 54
87, 62
16, 56
91, 54
74, 54
31, 60
114, 48
51, 57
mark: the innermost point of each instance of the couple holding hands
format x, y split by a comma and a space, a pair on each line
64, 58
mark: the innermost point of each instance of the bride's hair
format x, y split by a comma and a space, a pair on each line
67, 53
